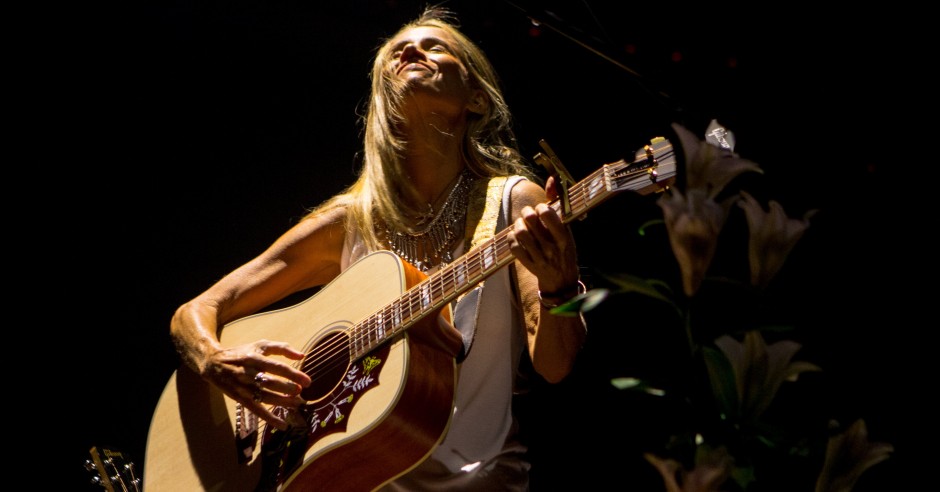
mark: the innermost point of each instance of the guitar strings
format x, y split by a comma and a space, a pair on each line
326, 358
410, 307
420, 299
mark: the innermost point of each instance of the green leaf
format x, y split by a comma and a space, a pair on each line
723, 382
649, 223
634, 384
639, 285
581, 303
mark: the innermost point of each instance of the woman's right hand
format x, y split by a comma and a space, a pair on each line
251, 376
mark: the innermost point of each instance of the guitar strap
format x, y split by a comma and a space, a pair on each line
483, 210
482, 217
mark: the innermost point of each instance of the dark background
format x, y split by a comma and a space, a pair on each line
186, 136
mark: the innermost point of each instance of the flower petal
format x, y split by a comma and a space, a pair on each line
848, 455
707, 167
772, 235
693, 224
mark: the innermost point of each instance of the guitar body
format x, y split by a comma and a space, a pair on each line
372, 419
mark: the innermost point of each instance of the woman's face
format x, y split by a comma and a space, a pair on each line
425, 59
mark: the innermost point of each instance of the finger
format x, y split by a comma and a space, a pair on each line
521, 243
532, 233
277, 399
261, 395
548, 225
265, 382
555, 236
264, 363
267, 347
258, 407
551, 188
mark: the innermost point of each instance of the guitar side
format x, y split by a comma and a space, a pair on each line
388, 430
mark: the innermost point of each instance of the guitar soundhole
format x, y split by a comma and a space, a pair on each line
326, 364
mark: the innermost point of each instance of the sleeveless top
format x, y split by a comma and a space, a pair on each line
480, 450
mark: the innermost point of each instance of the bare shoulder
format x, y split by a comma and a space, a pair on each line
321, 233
526, 193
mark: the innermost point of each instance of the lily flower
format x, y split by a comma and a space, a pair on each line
712, 469
693, 224
848, 455
772, 236
708, 167
759, 371
693, 218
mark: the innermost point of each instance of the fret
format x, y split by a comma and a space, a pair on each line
380, 324
594, 188
489, 255
460, 274
409, 308
425, 295
473, 265
442, 287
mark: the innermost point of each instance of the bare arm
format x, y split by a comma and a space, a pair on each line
546, 260
307, 255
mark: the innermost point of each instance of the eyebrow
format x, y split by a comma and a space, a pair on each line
424, 40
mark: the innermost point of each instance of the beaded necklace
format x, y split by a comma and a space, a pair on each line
432, 245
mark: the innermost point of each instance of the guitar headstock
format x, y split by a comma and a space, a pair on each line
652, 170
113, 470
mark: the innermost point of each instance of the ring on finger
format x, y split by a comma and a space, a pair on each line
260, 379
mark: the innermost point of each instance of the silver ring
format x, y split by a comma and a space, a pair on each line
260, 379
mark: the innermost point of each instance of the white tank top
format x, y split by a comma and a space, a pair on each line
480, 450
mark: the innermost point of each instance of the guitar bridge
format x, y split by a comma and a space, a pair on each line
246, 433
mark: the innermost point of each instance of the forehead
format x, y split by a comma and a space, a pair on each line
423, 33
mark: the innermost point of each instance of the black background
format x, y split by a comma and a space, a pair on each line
178, 139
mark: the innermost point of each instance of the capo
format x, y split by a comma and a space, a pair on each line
550, 161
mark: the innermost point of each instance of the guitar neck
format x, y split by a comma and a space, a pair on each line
652, 170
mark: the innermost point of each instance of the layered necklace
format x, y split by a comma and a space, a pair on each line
433, 243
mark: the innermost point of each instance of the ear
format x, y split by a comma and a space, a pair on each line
478, 102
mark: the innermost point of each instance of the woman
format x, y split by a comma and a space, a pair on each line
437, 139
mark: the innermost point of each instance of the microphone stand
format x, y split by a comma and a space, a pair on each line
661, 97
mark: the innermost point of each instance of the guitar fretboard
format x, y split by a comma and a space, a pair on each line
652, 170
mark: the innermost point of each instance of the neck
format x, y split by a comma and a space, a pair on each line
432, 172
433, 158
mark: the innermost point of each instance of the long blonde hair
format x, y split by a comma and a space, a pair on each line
489, 146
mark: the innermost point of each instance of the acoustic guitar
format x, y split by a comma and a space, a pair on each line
384, 369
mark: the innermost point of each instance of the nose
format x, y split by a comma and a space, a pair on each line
410, 52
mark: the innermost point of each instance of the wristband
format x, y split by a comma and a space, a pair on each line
551, 300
